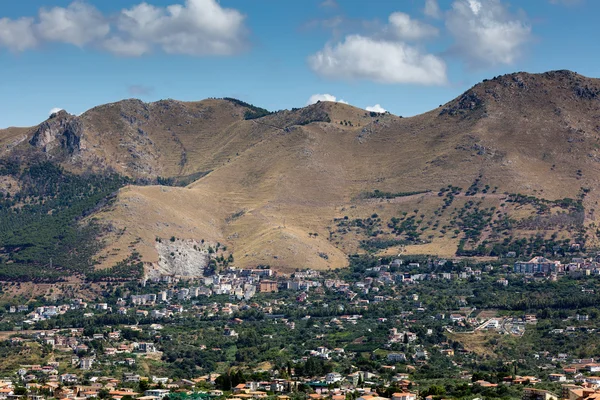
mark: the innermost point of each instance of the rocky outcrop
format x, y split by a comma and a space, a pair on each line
469, 101
61, 131
184, 258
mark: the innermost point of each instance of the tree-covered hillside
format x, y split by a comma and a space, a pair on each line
41, 229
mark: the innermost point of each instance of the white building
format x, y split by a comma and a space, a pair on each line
396, 357
160, 393
86, 363
332, 378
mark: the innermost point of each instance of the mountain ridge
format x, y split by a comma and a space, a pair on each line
299, 188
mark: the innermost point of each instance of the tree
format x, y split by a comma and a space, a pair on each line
143, 386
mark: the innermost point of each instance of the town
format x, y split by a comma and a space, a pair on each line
396, 328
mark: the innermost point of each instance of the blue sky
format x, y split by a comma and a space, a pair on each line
407, 56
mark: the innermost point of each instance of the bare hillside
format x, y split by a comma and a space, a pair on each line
514, 158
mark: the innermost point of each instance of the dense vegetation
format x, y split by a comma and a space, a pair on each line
41, 228
131, 268
378, 194
253, 111
181, 181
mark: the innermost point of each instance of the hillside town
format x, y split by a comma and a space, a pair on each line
102, 349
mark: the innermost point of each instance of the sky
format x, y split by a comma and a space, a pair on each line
403, 56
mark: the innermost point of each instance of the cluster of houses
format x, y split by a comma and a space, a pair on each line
358, 385
83, 354
542, 266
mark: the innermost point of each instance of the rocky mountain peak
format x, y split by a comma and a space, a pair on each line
61, 131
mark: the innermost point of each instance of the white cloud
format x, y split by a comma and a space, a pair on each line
329, 4
432, 9
406, 28
55, 110
126, 47
486, 33
140, 90
567, 2
17, 35
196, 27
376, 108
383, 61
78, 24
324, 97
384, 55
200, 27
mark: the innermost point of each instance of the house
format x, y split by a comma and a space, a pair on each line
537, 394
301, 298
371, 397
422, 354
227, 331
122, 392
396, 357
68, 379
525, 380
5, 392
456, 317
267, 286
447, 352
557, 377
160, 393
593, 367
241, 388
485, 384
404, 396
536, 265
131, 377
332, 378
114, 335
594, 380
530, 319
86, 363
146, 347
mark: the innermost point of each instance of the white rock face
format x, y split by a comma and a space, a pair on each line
185, 258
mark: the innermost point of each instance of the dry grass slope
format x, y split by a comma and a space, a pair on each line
276, 181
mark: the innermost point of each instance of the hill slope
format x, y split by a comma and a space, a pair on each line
484, 174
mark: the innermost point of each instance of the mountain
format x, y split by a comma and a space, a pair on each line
510, 165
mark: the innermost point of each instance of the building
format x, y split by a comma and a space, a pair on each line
332, 378
404, 396
267, 286
537, 265
86, 363
593, 367
68, 379
146, 347
129, 377
557, 377
456, 317
421, 354
538, 394
160, 393
227, 331
396, 357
